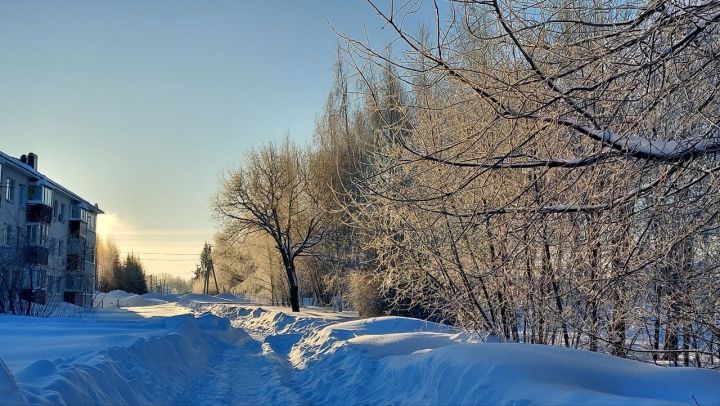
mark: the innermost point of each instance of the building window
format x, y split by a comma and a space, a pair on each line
53, 249
40, 194
77, 213
23, 195
33, 278
91, 254
61, 216
37, 234
6, 235
61, 249
9, 189
55, 209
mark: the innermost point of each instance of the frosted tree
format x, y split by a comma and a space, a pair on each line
555, 176
270, 194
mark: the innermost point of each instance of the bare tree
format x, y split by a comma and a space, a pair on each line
270, 194
553, 176
108, 264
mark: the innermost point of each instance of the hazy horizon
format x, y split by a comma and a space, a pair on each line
141, 106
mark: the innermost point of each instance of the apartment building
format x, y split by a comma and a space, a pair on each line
47, 237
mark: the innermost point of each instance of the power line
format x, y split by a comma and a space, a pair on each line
154, 253
166, 260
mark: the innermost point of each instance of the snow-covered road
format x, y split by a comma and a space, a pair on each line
202, 350
242, 375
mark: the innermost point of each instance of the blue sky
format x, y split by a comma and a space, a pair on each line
141, 105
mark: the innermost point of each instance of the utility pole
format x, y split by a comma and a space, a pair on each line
206, 285
212, 269
208, 268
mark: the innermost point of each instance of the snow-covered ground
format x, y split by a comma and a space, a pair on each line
197, 349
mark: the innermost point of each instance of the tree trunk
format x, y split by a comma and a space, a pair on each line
292, 282
294, 295
547, 268
593, 305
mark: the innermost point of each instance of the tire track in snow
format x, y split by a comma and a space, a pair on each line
242, 375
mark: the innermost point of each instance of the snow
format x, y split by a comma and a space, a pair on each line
9, 390
200, 349
27, 339
114, 360
192, 299
396, 360
533, 374
648, 148
117, 298
233, 298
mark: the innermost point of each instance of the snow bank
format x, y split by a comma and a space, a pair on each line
396, 360
119, 298
390, 331
58, 309
192, 300
272, 325
28, 339
404, 361
143, 301
150, 370
535, 374
161, 296
9, 390
234, 298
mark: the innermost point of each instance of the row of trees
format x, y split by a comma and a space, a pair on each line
116, 274
129, 274
545, 171
167, 284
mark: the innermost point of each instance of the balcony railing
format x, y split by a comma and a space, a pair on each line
76, 246
76, 213
78, 229
75, 262
76, 282
31, 295
37, 255
39, 194
38, 213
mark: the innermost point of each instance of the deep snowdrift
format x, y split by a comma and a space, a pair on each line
118, 298
152, 355
110, 361
517, 373
395, 360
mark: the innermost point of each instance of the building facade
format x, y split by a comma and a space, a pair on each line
47, 238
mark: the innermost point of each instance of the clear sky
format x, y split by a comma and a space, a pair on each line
140, 105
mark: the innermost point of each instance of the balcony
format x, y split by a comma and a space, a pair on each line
76, 282
39, 213
76, 213
36, 296
75, 262
78, 298
78, 229
37, 255
76, 246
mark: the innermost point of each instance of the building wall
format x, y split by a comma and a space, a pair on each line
55, 280
12, 215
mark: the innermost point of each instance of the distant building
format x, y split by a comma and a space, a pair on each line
47, 237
